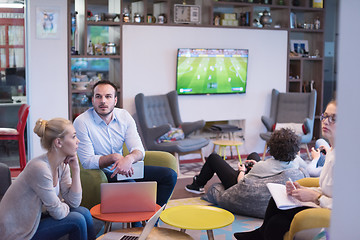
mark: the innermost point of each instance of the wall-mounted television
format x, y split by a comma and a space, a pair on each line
211, 71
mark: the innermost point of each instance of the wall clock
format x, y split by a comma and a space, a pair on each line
187, 13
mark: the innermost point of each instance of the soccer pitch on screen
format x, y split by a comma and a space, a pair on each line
210, 75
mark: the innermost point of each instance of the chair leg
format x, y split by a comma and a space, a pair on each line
178, 160
263, 158
22, 153
307, 150
202, 156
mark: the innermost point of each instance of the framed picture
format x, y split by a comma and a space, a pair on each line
47, 22
299, 46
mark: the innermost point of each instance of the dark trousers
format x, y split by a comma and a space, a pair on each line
216, 164
165, 177
277, 222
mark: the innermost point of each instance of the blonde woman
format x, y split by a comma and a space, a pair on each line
43, 202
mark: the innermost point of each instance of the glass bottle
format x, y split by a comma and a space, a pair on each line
317, 23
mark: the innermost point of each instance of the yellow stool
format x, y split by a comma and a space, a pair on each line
227, 143
197, 217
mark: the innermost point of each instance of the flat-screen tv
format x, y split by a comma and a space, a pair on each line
211, 71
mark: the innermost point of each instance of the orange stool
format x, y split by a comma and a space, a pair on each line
125, 217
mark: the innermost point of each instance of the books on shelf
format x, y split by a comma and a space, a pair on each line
284, 201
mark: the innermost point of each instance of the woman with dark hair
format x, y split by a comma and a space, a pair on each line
277, 222
283, 147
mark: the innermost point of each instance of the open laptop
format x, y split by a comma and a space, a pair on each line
144, 234
128, 197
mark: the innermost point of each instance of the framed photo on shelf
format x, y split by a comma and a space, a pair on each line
299, 46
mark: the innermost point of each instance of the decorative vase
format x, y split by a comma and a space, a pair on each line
266, 19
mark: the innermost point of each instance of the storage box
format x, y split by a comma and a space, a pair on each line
318, 3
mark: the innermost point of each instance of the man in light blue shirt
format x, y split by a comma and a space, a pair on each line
102, 131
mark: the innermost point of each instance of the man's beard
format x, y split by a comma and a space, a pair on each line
104, 114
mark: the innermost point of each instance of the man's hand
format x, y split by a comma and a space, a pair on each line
123, 166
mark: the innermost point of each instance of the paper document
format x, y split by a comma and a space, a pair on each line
284, 201
138, 171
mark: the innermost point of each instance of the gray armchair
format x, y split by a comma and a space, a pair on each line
291, 108
157, 114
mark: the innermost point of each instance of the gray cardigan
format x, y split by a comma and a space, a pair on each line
29, 194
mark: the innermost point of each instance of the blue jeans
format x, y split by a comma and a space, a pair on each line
78, 224
165, 177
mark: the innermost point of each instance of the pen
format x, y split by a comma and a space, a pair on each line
292, 183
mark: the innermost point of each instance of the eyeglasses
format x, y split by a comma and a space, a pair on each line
331, 118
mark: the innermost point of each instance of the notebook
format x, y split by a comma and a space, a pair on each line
128, 197
138, 171
144, 234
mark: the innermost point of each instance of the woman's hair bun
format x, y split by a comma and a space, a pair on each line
40, 126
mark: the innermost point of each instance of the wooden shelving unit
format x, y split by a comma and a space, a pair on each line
298, 20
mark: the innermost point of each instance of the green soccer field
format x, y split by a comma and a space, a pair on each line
199, 75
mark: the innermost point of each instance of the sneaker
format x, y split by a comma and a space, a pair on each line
195, 188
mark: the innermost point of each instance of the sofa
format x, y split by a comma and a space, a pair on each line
250, 197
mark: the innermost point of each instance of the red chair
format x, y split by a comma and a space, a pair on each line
18, 134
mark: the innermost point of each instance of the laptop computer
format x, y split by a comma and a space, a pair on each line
144, 234
128, 197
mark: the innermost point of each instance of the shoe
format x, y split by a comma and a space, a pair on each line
252, 235
194, 187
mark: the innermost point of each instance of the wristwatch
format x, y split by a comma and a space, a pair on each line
317, 201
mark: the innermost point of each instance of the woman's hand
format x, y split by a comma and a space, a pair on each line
306, 195
73, 162
315, 153
290, 187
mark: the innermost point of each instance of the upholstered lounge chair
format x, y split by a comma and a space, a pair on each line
157, 114
309, 222
298, 108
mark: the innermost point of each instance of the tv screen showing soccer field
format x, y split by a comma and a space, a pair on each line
211, 71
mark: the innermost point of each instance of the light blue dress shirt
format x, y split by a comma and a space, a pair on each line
99, 139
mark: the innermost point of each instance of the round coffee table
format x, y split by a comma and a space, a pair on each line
125, 217
156, 233
227, 143
197, 217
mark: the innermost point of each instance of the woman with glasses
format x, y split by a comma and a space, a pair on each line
319, 152
277, 222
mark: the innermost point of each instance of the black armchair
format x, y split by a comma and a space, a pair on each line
157, 114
